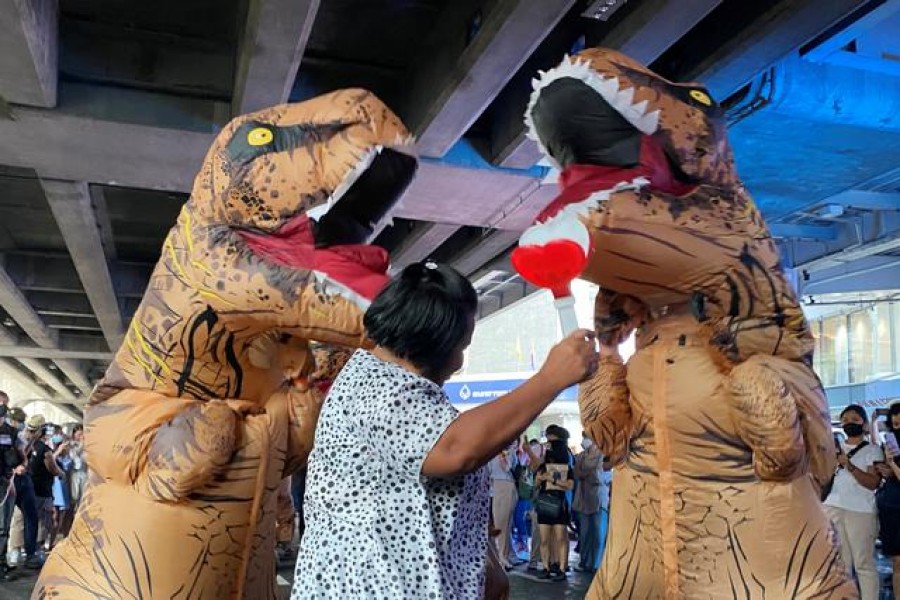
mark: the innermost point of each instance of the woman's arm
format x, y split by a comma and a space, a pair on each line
481, 433
869, 479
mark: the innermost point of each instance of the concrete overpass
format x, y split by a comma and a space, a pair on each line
106, 110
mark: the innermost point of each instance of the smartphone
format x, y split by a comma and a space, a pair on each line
890, 441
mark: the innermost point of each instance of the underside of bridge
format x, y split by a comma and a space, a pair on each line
107, 108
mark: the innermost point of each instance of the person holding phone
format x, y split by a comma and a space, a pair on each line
851, 503
553, 479
887, 499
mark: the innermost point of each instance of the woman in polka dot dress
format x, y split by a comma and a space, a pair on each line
397, 496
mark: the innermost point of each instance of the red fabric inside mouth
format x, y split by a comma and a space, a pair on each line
361, 267
577, 182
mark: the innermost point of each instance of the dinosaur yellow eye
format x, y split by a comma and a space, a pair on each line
260, 136
701, 97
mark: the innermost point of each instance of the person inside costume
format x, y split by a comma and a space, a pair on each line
887, 498
397, 494
851, 502
717, 426
211, 401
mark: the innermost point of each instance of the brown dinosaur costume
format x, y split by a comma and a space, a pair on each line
717, 426
188, 436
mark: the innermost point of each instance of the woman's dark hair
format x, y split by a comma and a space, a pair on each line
558, 453
423, 314
858, 410
893, 409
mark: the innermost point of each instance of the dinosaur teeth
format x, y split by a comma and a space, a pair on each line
622, 100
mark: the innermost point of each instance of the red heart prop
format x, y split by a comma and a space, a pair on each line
552, 266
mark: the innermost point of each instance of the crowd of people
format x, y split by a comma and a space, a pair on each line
42, 479
542, 496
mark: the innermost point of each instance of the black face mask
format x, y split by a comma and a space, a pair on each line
853, 429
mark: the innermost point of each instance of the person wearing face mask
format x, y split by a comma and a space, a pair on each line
397, 496
534, 450
503, 502
25, 523
554, 480
851, 502
588, 466
79, 476
62, 499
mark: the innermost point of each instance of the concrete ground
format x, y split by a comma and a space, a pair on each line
524, 585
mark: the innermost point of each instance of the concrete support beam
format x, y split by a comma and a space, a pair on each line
14, 303
655, 25
419, 245
54, 353
58, 273
781, 30
843, 257
866, 200
48, 377
70, 203
272, 46
459, 77
489, 247
840, 40
807, 232
10, 368
875, 273
75, 372
76, 148
98, 200
28, 51
645, 34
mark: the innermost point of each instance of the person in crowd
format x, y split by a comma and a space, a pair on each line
298, 491
887, 498
503, 502
43, 468
524, 491
23, 532
79, 475
554, 479
534, 450
851, 502
397, 498
284, 522
11, 461
587, 470
62, 499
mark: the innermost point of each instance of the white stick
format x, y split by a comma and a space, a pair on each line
565, 307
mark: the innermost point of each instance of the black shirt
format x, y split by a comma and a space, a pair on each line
40, 475
9, 456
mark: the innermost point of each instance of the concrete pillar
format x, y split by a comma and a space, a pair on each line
28, 51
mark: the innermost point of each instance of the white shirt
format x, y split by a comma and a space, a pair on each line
376, 528
847, 493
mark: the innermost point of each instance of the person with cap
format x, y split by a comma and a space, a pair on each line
43, 468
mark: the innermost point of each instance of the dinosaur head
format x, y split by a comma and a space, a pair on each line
602, 108
338, 158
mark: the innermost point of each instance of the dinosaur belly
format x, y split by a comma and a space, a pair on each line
689, 516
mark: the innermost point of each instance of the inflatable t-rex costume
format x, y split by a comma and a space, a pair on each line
718, 425
188, 436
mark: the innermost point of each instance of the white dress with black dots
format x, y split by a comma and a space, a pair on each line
375, 527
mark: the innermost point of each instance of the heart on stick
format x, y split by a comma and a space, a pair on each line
553, 265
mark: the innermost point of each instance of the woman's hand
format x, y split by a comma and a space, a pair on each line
884, 470
571, 361
843, 460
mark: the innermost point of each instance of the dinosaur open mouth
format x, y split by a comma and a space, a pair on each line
330, 241
601, 138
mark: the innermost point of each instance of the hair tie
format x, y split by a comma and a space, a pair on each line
431, 265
